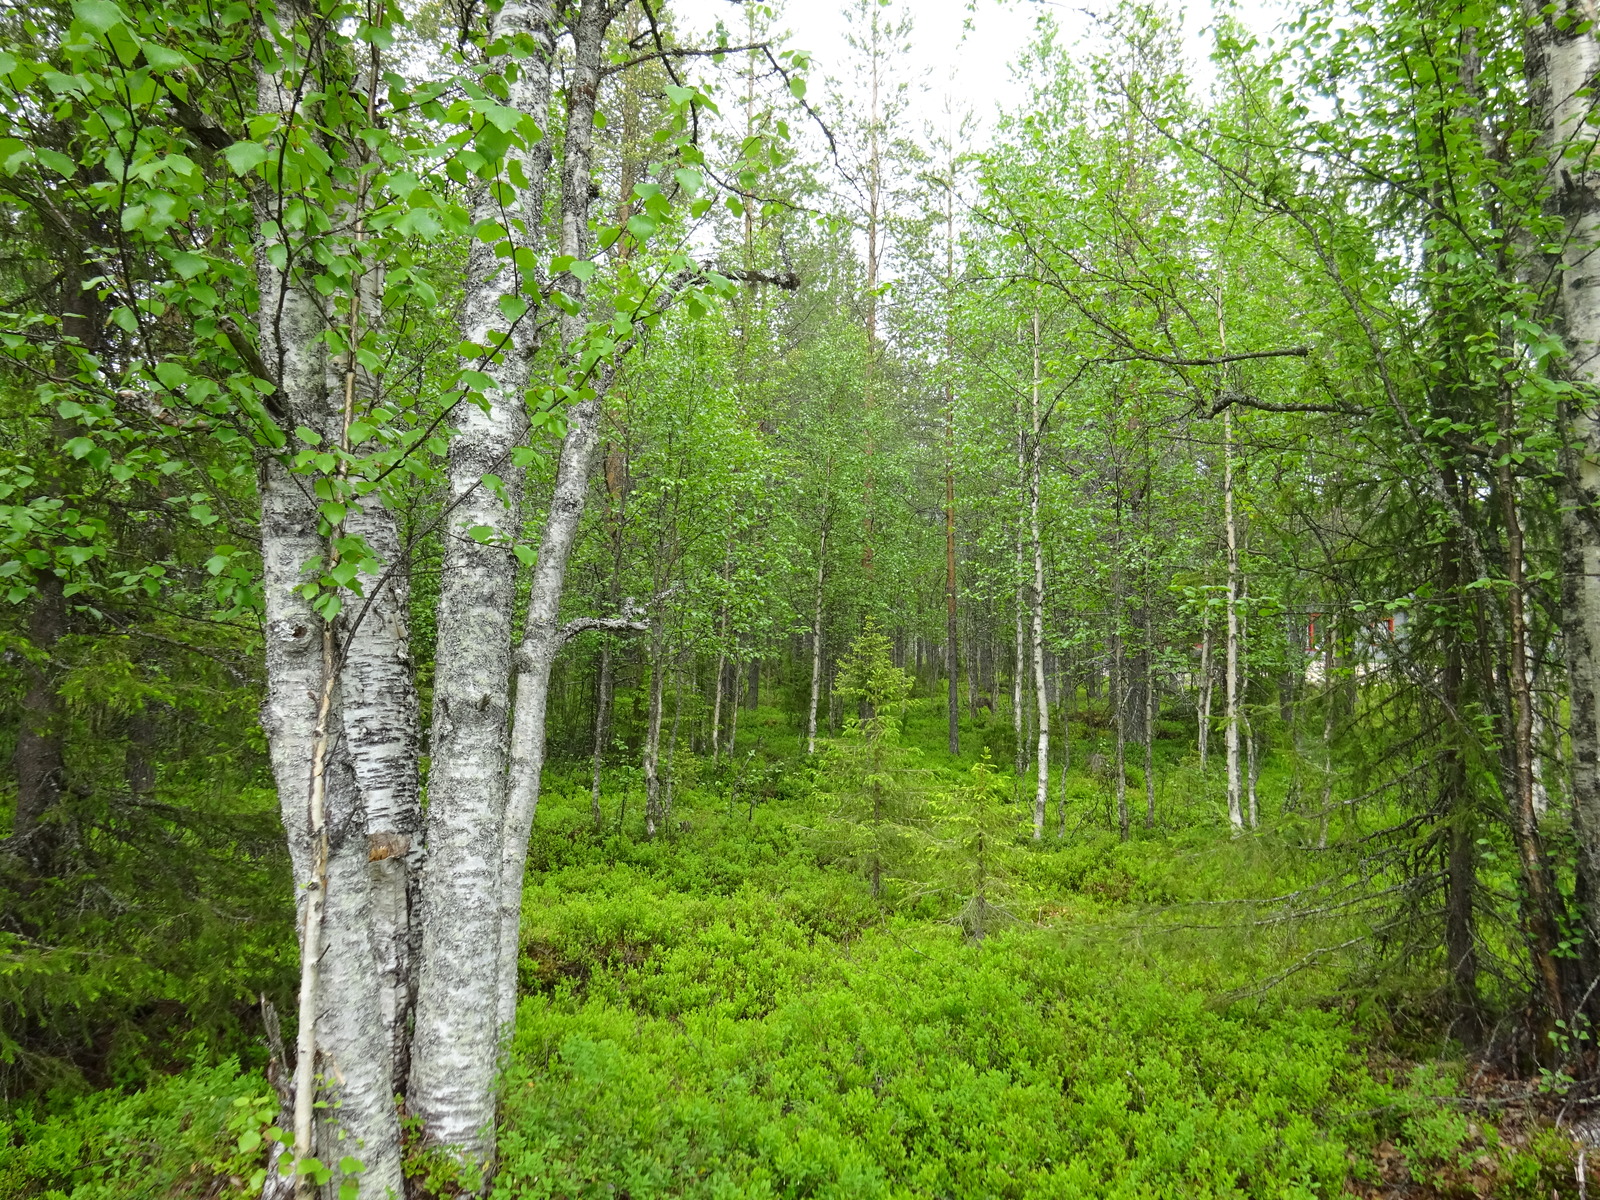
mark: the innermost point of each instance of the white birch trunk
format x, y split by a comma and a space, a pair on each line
1041, 796
542, 634
1204, 731
1119, 691
1149, 719
652, 737
1252, 813
344, 1054
1235, 798
1020, 658
454, 1057
1562, 65
716, 703
382, 721
672, 746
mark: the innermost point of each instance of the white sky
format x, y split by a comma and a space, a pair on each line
975, 62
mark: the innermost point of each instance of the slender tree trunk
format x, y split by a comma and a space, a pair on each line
733, 711
951, 629
652, 736
816, 642
1249, 731
1022, 602
1235, 807
1329, 662
543, 635
716, 704
672, 748
1017, 669
1149, 723
1119, 713
722, 654
605, 689
1042, 700
1541, 902
874, 202
1204, 731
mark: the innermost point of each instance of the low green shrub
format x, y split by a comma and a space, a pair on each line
191, 1135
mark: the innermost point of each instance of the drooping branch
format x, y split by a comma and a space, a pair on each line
609, 624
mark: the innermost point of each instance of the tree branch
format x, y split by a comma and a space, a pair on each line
610, 624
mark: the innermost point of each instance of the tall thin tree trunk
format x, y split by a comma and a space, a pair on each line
1253, 814
1119, 707
1149, 722
816, 642
605, 688
543, 635
1329, 662
1541, 902
951, 630
382, 723
672, 747
1235, 806
1204, 732
1022, 601
652, 736
1041, 795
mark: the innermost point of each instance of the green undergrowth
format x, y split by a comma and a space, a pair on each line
729, 1010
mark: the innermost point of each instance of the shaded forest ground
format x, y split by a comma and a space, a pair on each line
729, 1011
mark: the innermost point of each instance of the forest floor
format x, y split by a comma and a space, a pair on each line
729, 1010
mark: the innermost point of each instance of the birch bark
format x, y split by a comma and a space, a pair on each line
1205, 684
1149, 719
344, 1057
543, 635
652, 737
454, 1046
1041, 795
381, 719
1235, 806
1562, 65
